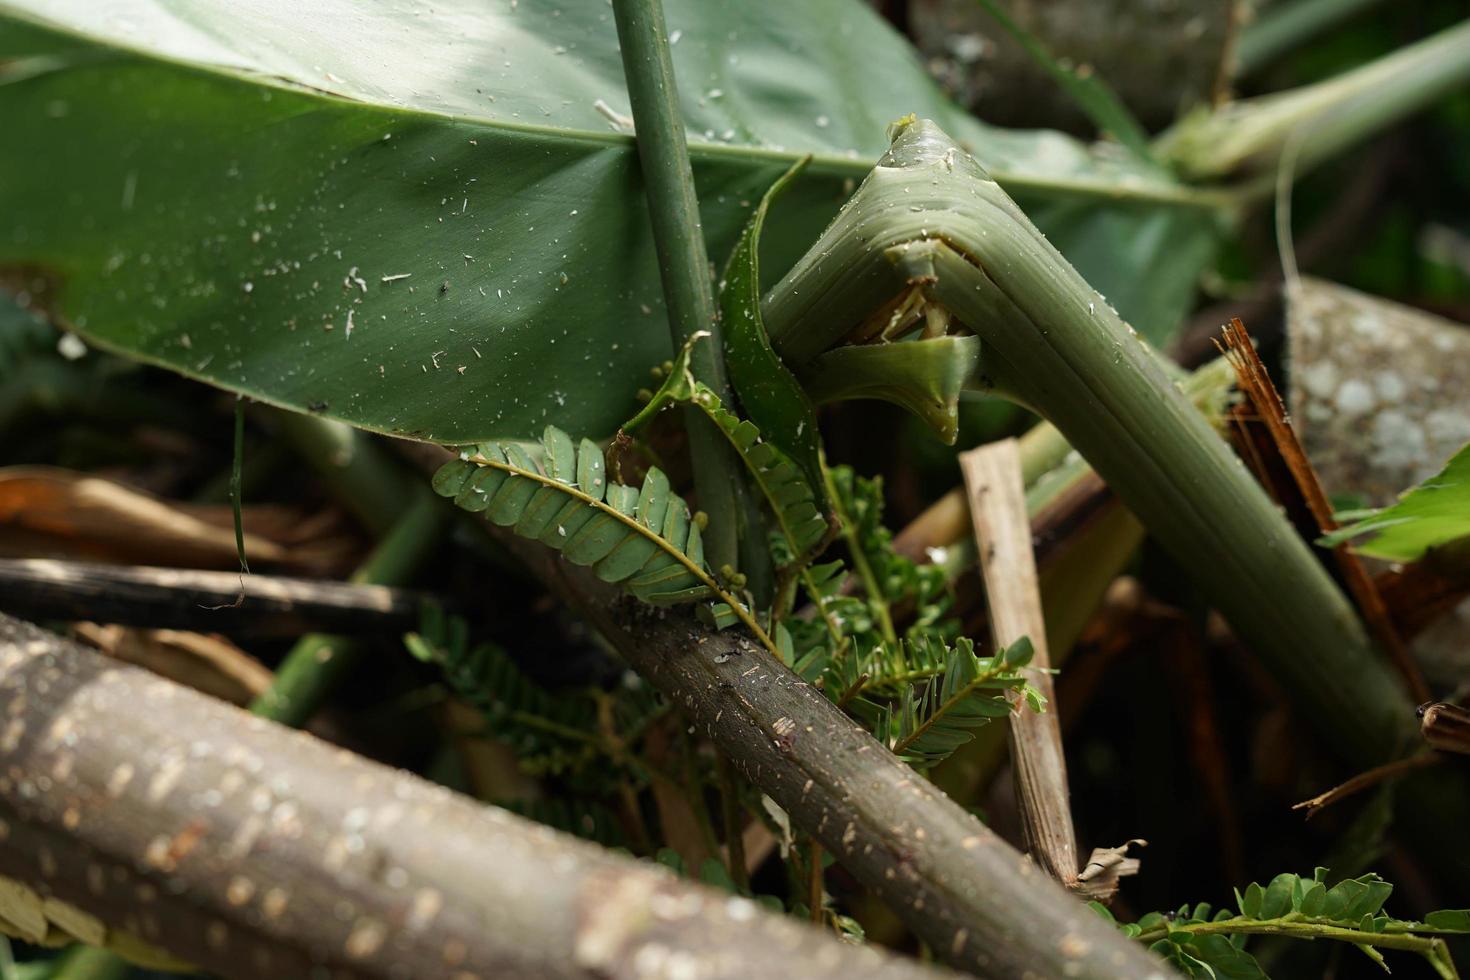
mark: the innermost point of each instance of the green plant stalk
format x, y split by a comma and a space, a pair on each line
1288, 25
929, 214
1048, 470
1432, 948
734, 537
90, 963
876, 602
1246, 139
236, 466
361, 477
259, 469
317, 662
365, 481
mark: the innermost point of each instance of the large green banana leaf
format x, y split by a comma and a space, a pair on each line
426, 219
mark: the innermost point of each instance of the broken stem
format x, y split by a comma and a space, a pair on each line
928, 213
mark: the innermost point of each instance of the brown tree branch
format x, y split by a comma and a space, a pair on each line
252, 850
980, 905
214, 602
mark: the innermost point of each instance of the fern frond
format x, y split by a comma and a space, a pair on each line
549, 734
642, 537
788, 493
930, 720
810, 662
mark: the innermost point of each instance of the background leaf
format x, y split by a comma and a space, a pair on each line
418, 220
1088, 90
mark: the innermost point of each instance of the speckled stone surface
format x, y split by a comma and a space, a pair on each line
1380, 396
1380, 393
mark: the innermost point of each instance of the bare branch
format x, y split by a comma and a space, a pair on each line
981, 905
215, 602
252, 850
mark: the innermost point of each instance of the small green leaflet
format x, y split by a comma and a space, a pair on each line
929, 721
1201, 941
793, 502
1432, 515
770, 396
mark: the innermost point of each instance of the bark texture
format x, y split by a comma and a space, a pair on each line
186, 598
980, 904
256, 851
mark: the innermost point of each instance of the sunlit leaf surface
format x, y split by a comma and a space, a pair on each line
426, 219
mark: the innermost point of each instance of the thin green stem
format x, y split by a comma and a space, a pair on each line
362, 477
860, 562
853, 691
733, 538
1245, 139
318, 662
834, 628
1297, 927
732, 816
259, 469
1284, 26
236, 465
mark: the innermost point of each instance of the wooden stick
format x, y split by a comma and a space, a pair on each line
1013, 595
252, 850
190, 599
977, 902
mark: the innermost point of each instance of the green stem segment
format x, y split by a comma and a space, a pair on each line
1432, 948
1284, 26
91, 963
735, 536
318, 662
236, 466
1247, 139
876, 601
